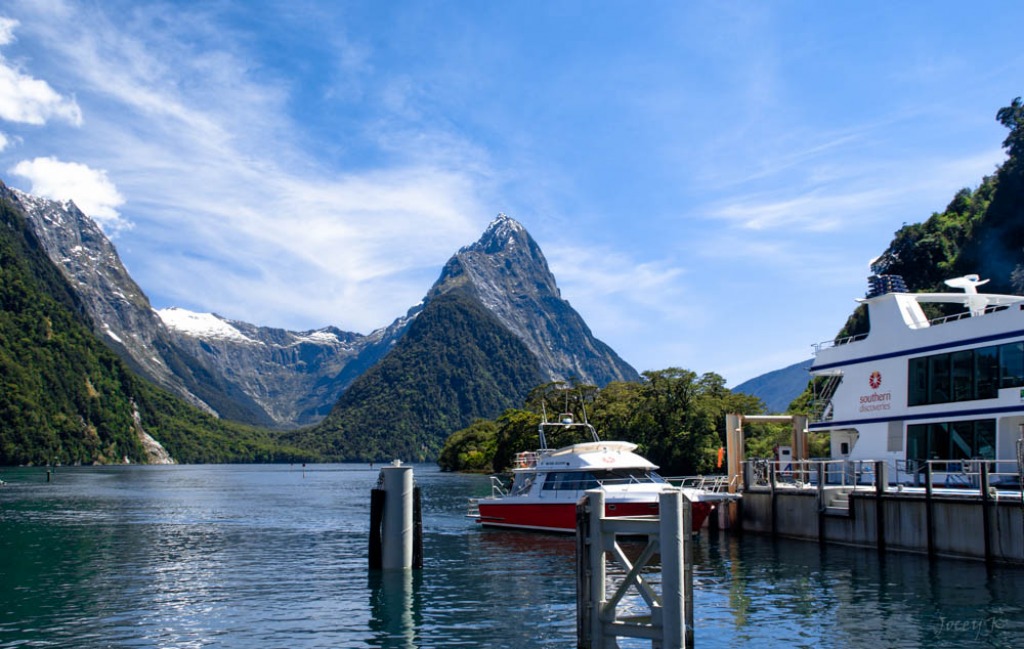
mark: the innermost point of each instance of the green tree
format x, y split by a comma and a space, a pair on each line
471, 448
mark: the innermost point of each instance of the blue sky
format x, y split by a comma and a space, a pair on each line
708, 180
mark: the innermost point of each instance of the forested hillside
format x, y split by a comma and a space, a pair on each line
66, 398
455, 361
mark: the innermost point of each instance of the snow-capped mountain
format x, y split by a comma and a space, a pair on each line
235, 370
284, 379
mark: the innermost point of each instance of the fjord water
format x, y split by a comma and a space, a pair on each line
275, 556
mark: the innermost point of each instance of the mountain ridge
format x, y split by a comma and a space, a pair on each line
283, 379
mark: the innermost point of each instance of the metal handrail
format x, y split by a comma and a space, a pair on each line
960, 474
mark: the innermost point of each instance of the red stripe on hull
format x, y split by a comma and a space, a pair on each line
561, 517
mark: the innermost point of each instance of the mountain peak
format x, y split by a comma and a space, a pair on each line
505, 270
503, 233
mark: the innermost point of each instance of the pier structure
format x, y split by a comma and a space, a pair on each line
973, 510
668, 620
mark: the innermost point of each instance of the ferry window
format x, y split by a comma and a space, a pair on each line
917, 381
964, 375
622, 476
959, 440
938, 442
962, 366
986, 371
985, 439
917, 442
523, 482
1011, 364
938, 378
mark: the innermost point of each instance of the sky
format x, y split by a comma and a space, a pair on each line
708, 180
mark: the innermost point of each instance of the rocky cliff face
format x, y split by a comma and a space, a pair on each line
238, 371
273, 377
508, 274
295, 377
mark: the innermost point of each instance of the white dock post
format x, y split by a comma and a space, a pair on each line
397, 528
670, 622
671, 540
597, 573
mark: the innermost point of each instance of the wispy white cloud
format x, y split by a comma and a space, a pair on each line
619, 293
90, 189
202, 145
25, 99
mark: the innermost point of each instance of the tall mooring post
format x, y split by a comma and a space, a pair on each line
669, 621
396, 528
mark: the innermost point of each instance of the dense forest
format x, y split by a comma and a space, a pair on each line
455, 359
66, 398
676, 418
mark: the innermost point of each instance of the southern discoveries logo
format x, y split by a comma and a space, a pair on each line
876, 400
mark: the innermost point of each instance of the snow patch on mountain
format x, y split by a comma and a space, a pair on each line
201, 325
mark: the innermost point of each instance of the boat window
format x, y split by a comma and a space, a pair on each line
964, 375
961, 440
938, 378
522, 482
962, 365
917, 388
627, 476
1011, 365
570, 481
986, 371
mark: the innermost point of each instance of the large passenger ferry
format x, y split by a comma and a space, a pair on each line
918, 388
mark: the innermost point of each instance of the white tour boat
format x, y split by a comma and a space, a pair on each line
914, 389
547, 484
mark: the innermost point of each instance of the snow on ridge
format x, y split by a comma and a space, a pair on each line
319, 337
201, 325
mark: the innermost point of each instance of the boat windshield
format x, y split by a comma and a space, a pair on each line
583, 480
628, 476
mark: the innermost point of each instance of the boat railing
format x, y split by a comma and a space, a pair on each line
708, 483
497, 487
992, 308
827, 344
1002, 477
966, 474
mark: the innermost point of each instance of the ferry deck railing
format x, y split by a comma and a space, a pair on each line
1001, 478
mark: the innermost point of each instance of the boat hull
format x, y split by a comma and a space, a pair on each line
561, 517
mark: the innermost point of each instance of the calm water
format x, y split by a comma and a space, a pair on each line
275, 556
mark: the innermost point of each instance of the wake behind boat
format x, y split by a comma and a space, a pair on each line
547, 483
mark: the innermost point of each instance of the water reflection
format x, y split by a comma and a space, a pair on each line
252, 557
395, 614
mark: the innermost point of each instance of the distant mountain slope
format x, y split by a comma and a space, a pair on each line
456, 363
121, 313
66, 397
235, 370
778, 388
